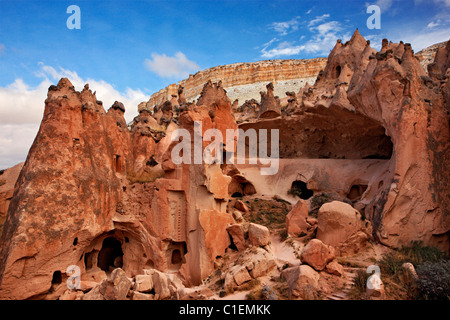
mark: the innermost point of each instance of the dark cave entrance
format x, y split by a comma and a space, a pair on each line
111, 254
300, 189
176, 257
240, 186
176, 254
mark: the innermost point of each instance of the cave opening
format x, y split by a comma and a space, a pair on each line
117, 163
338, 71
176, 257
176, 251
232, 246
240, 186
57, 277
300, 189
356, 192
110, 255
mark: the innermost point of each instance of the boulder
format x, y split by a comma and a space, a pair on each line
237, 215
258, 235
410, 270
296, 219
251, 264
260, 263
335, 268
303, 281
236, 232
317, 254
342, 226
143, 283
116, 287
165, 285
240, 274
142, 296
94, 294
241, 206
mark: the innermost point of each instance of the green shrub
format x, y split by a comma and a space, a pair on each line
434, 280
360, 280
416, 253
317, 201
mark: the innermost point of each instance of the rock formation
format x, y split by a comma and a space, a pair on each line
8, 178
244, 81
109, 199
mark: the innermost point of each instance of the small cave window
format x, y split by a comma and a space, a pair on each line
176, 253
300, 189
57, 277
111, 255
176, 257
152, 162
75, 241
117, 163
237, 195
338, 71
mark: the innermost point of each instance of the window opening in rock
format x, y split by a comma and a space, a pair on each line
300, 189
338, 71
57, 278
176, 257
117, 163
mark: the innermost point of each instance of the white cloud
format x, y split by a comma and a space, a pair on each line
433, 24
325, 36
283, 49
178, 66
318, 19
22, 107
443, 2
15, 142
309, 11
283, 28
322, 40
423, 40
375, 41
384, 4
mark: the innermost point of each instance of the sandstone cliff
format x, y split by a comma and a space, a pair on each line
244, 81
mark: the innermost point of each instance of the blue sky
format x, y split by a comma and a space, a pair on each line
128, 50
